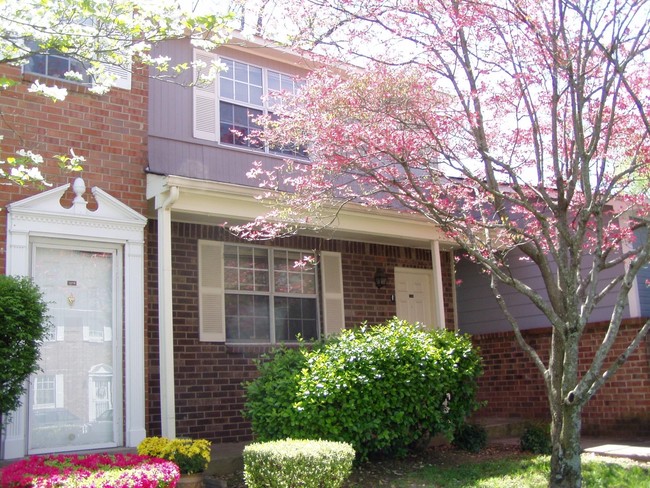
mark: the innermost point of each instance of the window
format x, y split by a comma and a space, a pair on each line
267, 297
55, 65
45, 391
225, 111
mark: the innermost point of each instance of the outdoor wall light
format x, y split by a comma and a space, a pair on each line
380, 278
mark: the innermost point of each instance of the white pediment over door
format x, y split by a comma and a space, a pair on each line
44, 213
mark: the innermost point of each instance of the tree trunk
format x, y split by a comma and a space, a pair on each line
566, 470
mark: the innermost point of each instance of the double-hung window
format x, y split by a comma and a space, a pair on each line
268, 298
44, 391
243, 93
257, 295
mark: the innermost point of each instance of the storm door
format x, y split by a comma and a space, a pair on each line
73, 398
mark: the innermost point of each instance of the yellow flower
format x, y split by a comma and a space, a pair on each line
191, 456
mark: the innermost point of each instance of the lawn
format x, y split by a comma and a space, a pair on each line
495, 467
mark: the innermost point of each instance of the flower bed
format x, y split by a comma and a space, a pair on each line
90, 471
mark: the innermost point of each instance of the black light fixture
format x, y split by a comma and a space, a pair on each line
380, 278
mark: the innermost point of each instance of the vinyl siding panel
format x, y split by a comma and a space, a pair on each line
479, 313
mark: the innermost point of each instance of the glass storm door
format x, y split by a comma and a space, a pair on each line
72, 398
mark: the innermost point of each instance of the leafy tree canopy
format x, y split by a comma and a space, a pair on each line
103, 36
518, 127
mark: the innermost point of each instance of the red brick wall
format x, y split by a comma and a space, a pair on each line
209, 395
513, 387
110, 131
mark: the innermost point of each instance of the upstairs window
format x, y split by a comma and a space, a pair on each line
243, 93
56, 65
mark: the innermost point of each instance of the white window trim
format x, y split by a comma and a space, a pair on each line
57, 388
330, 302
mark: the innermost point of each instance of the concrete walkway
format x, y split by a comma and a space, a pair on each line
637, 450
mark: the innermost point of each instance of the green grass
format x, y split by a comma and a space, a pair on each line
525, 473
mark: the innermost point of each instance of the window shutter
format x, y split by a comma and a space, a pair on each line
58, 391
211, 300
332, 279
123, 79
205, 102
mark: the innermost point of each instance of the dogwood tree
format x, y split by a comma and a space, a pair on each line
103, 38
515, 126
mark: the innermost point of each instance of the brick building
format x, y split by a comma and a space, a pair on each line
163, 311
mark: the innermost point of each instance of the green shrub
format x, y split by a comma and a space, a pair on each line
271, 396
536, 439
381, 389
23, 326
470, 437
292, 463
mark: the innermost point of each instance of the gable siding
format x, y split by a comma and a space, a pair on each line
479, 313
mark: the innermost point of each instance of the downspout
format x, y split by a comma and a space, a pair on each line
165, 314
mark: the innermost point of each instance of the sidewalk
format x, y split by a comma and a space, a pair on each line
638, 450
603, 446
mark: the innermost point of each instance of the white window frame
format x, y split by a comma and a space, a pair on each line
272, 293
56, 382
122, 80
264, 105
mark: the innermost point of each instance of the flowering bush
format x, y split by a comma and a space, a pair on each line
90, 471
191, 456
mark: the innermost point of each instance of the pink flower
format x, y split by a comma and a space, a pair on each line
94, 470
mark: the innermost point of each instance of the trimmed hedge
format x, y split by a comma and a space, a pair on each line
291, 463
382, 389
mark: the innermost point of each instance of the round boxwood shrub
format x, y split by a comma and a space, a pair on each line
381, 389
290, 463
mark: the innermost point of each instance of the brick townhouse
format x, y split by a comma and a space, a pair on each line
159, 312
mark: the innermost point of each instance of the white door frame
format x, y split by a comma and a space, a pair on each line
42, 215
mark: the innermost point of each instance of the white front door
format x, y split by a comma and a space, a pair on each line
413, 295
72, 398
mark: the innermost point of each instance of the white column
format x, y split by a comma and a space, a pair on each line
134, 343
165, 315
438, 298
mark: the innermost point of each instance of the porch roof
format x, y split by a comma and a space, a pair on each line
214, 203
